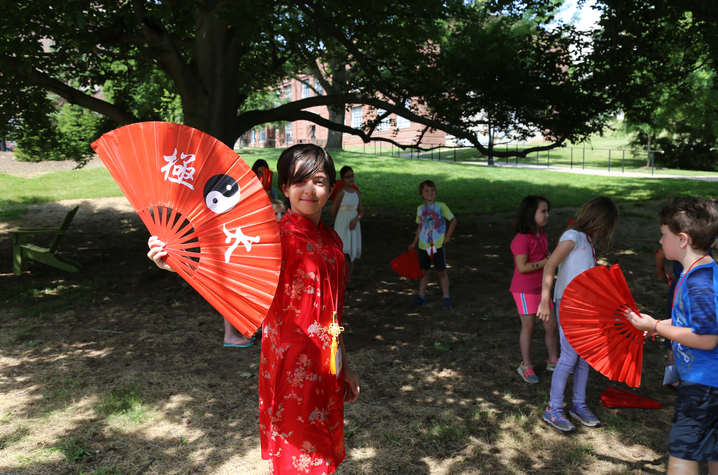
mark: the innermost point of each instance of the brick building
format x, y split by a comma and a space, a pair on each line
395, 127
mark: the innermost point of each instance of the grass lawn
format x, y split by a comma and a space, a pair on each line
611, 150
119, 369
391, 183
16, 193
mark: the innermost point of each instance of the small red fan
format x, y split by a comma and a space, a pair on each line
593, 320
407, 265
266, 179
338, 186
196, 195
613, 397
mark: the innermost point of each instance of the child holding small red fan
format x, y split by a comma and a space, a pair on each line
530, 249
574, 254
688, 229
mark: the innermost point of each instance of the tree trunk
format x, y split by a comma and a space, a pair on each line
210, 97
648, 154
271, 141
335, 138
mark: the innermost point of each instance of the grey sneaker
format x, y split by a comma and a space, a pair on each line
557, 418
584, 415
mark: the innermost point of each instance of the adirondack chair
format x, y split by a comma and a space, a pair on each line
22, 250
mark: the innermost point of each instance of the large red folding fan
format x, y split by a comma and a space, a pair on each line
407, 265
206, 204
593, 320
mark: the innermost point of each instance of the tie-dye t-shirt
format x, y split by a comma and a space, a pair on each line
432, 221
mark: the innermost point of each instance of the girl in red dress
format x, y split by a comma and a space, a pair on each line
305, 377
304, 373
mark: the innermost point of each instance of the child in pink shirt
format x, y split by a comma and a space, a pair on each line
530, 249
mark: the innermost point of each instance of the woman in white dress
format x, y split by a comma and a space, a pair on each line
348, 210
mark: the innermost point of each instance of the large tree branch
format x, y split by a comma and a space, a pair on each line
296, 110
169, 58
349, 45
70, 94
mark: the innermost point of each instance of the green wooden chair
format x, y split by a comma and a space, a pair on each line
22, 250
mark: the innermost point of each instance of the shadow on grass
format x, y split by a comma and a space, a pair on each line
120, 369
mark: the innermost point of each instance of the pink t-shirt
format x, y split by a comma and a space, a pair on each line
536, 248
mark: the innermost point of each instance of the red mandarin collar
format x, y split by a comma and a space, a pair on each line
303, 224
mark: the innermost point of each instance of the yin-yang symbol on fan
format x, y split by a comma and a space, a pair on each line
221, 193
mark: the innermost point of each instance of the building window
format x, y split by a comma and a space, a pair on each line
402, 122
313, 132
318, 87
288, 93
306, 90
262, 135
356, 118
384, 124
252, 137
288, 133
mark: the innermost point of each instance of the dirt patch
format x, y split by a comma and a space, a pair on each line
120, 368
10, 166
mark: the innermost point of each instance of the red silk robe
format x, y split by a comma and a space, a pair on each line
301, 404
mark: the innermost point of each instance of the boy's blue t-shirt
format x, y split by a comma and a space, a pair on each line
694, 307
432, 221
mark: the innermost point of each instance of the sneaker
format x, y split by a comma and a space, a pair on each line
447, 303
418, 302
584, 415
557, 418
527, 372
551, 366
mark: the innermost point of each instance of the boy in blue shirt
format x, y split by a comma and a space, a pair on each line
431, 236
688, 228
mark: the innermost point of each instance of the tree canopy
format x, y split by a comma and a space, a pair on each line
507, 63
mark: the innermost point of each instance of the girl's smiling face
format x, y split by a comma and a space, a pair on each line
309, 196
541, 216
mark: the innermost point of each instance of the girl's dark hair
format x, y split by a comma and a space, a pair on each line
598, 218
259, 163
344, 170
525, 222
301, 161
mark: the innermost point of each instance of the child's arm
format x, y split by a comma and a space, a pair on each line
549, 269
416, 238
360, 214
665, 328
660, 256
351, 381
524, 266
337, 202
450, 231
157, 252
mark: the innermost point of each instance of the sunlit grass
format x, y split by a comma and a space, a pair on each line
124, 406
391, 182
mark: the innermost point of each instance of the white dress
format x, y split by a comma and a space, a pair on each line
347, 212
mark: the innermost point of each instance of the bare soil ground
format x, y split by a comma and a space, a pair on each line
120, 368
